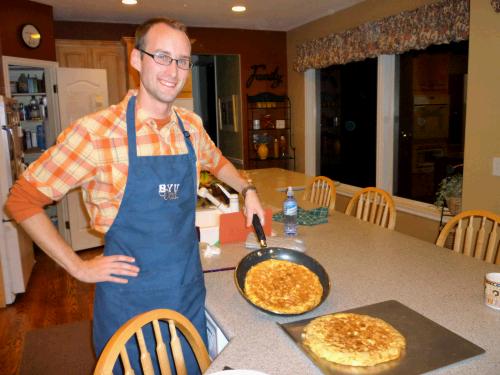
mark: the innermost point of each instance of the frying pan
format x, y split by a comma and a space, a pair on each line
279, 253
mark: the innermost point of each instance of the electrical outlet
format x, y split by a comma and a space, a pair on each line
496, 166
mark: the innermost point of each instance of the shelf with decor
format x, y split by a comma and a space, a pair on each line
30, 83
27, 87
270, 142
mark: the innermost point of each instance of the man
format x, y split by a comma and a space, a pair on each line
137, 163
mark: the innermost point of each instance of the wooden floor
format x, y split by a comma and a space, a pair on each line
53, 298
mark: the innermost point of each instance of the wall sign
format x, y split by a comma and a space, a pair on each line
257, 74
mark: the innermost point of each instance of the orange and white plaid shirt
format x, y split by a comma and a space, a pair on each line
93, 154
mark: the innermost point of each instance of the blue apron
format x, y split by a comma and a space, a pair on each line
156, 225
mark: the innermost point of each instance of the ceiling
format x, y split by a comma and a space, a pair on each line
276, 15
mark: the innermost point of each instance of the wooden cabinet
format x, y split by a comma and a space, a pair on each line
106, 55
133, 76
187, 91
73, 55
269, 132
430, 73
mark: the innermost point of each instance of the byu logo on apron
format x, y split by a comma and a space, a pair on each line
168, 191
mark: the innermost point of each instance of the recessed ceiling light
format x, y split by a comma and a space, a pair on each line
129, 2
238, 8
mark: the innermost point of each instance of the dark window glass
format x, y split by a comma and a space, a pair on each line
432, 118
349, 122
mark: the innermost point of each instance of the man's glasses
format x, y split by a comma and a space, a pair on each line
163, 59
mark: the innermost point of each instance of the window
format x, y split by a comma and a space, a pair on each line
431, 118
349, 122
420, 120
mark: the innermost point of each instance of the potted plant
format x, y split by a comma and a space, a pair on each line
450, 192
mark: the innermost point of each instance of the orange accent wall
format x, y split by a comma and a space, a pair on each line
15, 14
2, 81
253, 47
92, 30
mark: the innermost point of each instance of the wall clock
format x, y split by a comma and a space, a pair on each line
31, 36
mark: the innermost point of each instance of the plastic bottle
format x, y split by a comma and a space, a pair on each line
21, 112
40, 136
22, 83
42, 108
290, 214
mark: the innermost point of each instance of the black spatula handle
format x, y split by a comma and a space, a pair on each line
259, 231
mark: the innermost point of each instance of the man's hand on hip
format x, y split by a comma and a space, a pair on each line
107, 268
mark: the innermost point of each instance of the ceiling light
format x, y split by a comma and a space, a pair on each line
238, 8
129, 2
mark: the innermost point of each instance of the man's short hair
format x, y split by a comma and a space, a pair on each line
142, 30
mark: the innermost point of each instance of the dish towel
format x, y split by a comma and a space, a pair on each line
307, 217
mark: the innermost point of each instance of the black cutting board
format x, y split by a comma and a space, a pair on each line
429, 345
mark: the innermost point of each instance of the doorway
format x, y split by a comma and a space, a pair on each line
217, 100
204, 90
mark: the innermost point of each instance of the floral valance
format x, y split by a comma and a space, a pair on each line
496, 5
436, 23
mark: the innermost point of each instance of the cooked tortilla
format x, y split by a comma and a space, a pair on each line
353, 339
283, 287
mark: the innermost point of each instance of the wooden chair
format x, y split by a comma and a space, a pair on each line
476, 234
322, 192
373, 205
116, 345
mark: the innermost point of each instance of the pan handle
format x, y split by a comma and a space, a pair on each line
259, 231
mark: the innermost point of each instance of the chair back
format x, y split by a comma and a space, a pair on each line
373, 205
321, 192
475, 233
116, 345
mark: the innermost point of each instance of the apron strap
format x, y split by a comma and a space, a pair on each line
187, 136
132, 144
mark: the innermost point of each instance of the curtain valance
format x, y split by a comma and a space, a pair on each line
436, 23
496, 5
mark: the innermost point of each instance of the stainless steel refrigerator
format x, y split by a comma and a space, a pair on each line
16, 248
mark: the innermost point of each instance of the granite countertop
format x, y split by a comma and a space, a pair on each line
366, 265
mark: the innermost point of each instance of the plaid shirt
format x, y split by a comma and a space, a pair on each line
93, 154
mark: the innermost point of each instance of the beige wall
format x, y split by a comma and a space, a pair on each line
482, 132
481, 189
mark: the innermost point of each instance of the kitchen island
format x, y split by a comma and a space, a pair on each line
366, 265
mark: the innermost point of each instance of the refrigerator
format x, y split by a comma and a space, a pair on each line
65, 94
16, 248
